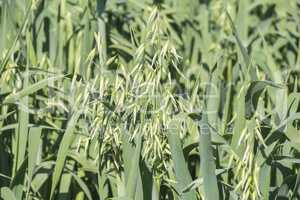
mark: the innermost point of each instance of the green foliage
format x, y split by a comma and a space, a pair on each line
149, 100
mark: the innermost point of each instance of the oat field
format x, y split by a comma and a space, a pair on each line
149, 99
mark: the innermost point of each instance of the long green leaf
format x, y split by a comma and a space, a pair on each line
30, 89
183, 177
63, 150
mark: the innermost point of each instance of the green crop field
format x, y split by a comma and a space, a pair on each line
149, 99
